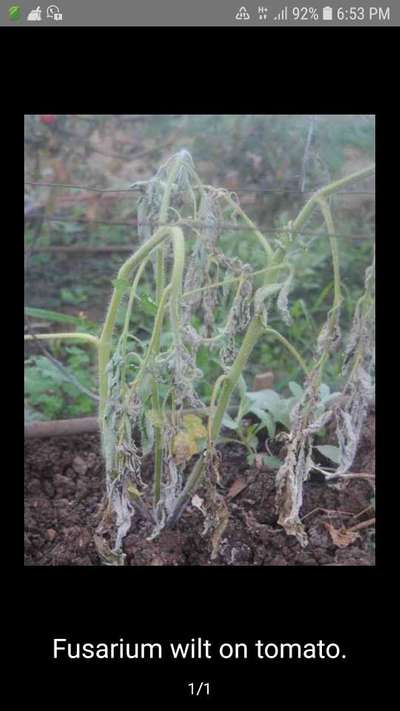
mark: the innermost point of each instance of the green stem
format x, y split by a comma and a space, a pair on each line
68, 336
325, 192
163, 215
325, 209
132, 297
154, 344
105, 343
254, 331
263, 240
124, 334
213, 400
192, 483
289, 346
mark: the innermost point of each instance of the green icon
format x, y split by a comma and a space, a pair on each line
14, 12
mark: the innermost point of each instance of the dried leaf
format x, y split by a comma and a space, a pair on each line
222, 519
237, 486
341, 537
198, 503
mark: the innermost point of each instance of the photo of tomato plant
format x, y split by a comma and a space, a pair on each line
199, 340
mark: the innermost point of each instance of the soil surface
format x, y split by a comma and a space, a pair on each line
64, 485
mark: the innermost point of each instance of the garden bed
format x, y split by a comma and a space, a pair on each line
64, 486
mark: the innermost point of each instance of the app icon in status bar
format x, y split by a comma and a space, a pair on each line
14, 13
35, 15
242, 14
53, 13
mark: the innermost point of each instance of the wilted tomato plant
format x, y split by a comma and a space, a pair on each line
149, 407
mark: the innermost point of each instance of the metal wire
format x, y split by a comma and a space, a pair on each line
228, 226
236, 190
225, 225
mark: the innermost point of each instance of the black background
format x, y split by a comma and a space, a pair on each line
238, 70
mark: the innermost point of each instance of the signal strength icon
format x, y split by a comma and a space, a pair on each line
282, 15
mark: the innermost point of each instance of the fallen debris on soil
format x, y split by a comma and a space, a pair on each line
64, 485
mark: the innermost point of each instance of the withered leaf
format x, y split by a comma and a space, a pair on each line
194, 427
183, 447
341, 537
237, 486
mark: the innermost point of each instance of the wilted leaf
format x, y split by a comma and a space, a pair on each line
109, 557
330, 452
237, 486
194, 427
198, 503
341, 537
222, 518
183, 447
263, 293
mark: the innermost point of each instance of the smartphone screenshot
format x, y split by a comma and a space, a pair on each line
203, 504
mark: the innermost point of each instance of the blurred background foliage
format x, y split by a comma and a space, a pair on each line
272, 162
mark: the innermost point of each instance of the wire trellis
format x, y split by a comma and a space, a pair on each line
281, 190
224, 225
38, 217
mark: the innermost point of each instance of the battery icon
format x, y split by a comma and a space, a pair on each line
327, 13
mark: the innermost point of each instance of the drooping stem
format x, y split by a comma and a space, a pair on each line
263, 240
124, 334
324, 192
163, 215
105, 342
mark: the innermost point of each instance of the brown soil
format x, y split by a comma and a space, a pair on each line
64, 488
